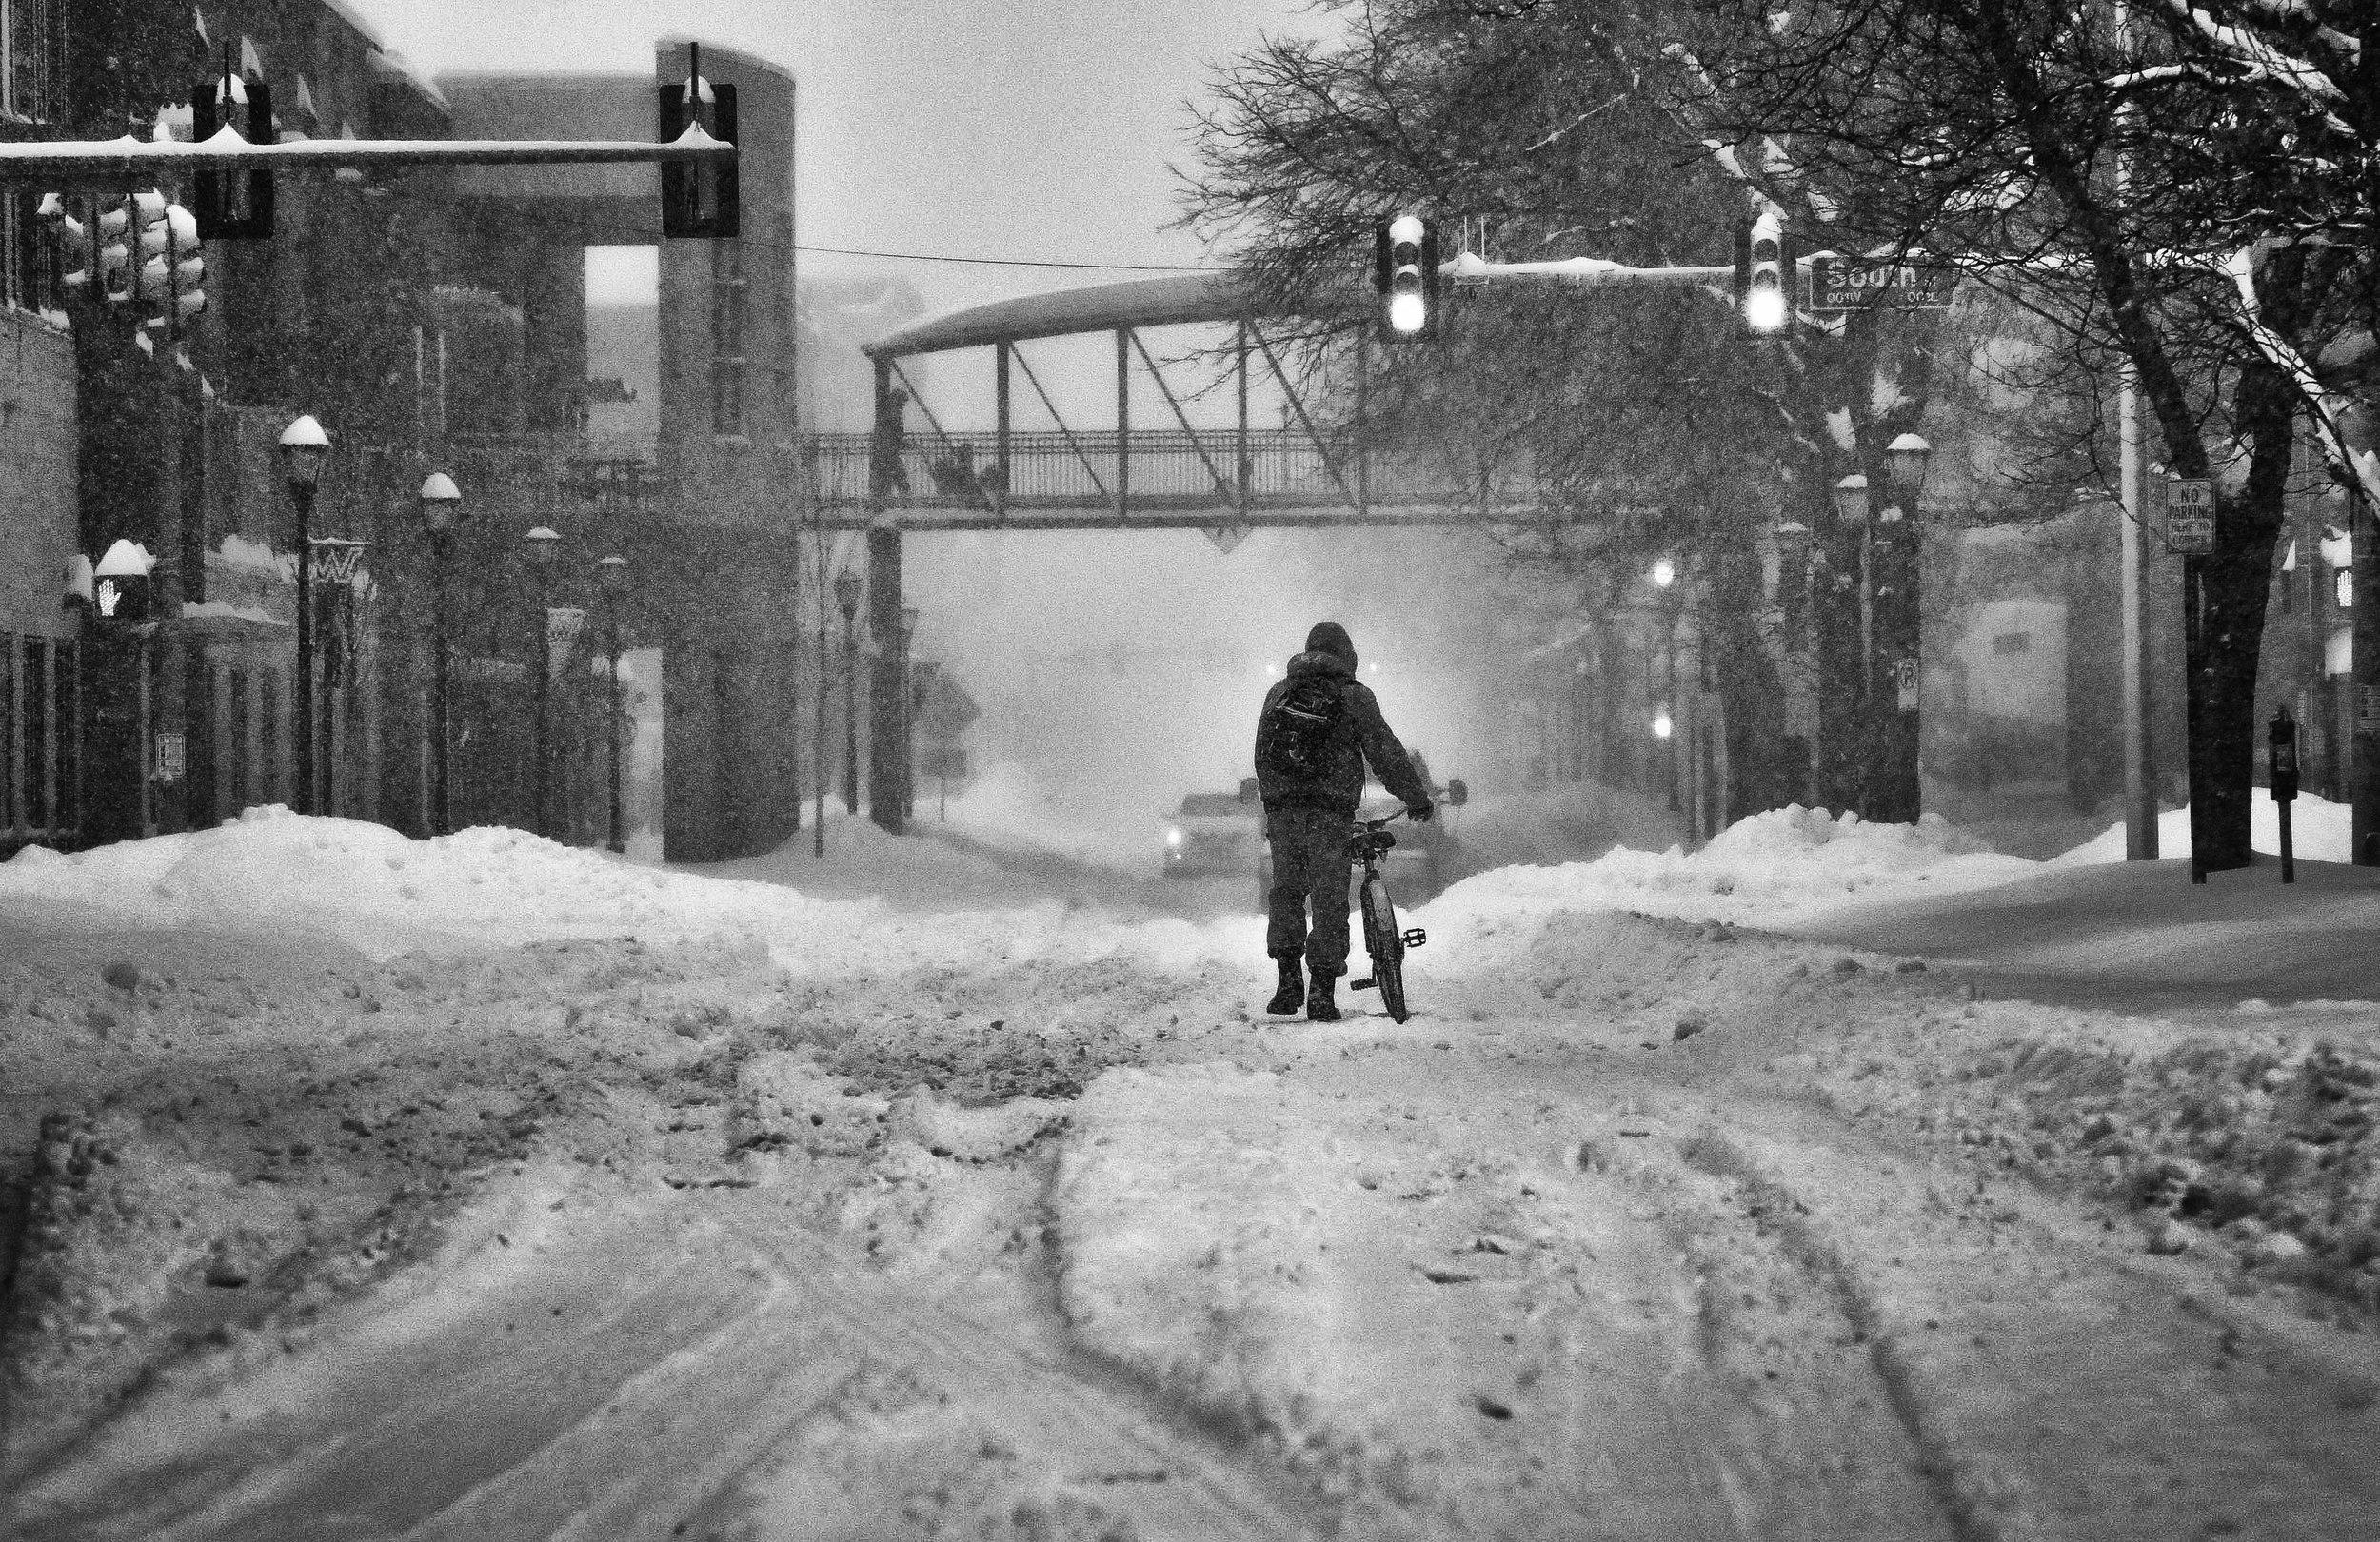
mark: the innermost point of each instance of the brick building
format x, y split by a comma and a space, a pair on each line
430, 320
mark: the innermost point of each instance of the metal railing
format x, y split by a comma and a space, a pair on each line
560, 470
1167, 468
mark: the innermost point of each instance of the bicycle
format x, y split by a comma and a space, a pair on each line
1366, 843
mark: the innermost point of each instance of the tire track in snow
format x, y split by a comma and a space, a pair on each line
2060, 1388
679, 1400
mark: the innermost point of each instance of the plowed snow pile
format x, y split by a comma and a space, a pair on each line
758, 1213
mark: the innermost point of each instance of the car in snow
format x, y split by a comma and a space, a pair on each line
1215, 835
1417, 867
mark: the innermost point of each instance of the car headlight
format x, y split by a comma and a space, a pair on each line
1173, 839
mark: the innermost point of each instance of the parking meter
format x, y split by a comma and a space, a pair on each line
2282, 759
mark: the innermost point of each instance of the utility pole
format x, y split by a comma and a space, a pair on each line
2140, 777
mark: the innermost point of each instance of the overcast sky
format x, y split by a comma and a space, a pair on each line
980, 128
963, 128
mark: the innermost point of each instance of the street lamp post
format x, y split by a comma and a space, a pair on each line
614, 571
1850, 506
908, 715
1665, 579
304, 447
1887, 605
541, 545
1795, 610
848, 597
1900, 626
440, 500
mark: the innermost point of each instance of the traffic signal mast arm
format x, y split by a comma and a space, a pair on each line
52, 162
1589, 272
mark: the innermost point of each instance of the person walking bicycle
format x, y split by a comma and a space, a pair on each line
1319, 728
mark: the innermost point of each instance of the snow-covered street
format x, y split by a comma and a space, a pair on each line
486, 1188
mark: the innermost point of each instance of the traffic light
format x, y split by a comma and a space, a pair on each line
699, 197
1767, 269
112, 257
233, 206
171, 269
68, 234
1405, 274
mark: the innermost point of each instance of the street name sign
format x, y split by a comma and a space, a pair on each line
1839, 283
2189, 515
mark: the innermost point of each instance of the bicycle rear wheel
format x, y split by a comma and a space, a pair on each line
1386, 945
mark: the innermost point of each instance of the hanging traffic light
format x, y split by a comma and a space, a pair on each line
171, 269
112, 250
70, 237
233, 206
699, 197
1766, 270
1405, 274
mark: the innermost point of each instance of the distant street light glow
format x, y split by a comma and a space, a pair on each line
1661, 726
1664, 573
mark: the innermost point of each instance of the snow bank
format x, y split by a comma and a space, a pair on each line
1761, 871
382, 893
1008, 807
2321, 831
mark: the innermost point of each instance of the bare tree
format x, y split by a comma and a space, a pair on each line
2020, 137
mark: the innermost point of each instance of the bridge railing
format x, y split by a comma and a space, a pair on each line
559, 471
1167, 468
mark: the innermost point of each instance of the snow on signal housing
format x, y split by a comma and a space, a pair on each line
1405, 274
703, 200
230, 206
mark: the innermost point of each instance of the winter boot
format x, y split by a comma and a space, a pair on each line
1319, 1007
1292, 992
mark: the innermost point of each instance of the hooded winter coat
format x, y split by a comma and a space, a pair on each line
1364, 736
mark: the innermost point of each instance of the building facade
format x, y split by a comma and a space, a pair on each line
430, 321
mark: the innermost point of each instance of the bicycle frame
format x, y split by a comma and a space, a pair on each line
1382, 940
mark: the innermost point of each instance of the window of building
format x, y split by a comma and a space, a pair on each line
32, 59
236, 767
267, 775
65, 718
33, 693
9, 734
731, 292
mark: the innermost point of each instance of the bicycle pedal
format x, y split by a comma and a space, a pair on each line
1415, 938
1359, 984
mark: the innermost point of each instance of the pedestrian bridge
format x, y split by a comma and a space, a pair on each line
1153, 468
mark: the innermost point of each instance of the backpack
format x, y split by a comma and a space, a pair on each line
1301, 731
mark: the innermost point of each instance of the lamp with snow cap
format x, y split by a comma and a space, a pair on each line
542, 543
612, 574
441, 500
304, 449
1905, 460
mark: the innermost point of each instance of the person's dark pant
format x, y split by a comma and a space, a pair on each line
1310, 861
